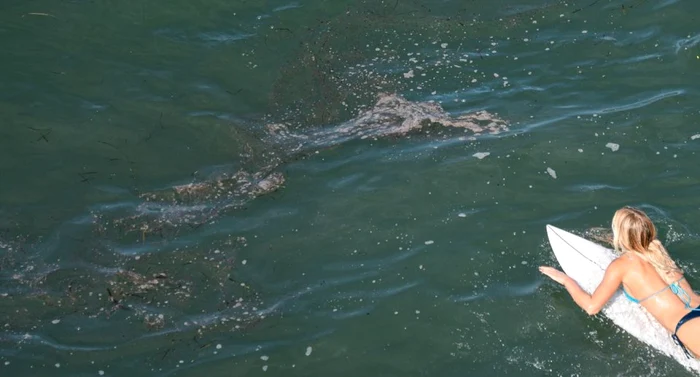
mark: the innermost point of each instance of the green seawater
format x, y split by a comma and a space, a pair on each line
213, 189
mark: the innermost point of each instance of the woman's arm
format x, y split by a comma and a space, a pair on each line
592, 304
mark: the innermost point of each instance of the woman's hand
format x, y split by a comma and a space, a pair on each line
555, 274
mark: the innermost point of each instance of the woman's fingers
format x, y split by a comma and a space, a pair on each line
553, 273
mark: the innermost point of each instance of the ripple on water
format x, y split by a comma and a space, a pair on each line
684, 44
223, 38
664, 4
373, 264
209, 38
293, 5
588, 187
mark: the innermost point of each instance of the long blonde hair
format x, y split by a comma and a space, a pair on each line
633, 231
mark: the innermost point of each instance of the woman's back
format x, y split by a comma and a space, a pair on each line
642, 281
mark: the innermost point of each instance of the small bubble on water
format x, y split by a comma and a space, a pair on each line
58, 365
429, 242
101, 372
218, 346
264, 358
264, 368
308, 351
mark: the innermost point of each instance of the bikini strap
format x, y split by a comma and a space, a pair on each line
675, 288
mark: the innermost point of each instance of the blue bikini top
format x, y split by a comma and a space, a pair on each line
675, 288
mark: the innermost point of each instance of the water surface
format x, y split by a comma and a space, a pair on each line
332, 187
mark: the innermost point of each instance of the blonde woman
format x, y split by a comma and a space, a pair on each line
649, 277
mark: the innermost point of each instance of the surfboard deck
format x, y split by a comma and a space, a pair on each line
585, 262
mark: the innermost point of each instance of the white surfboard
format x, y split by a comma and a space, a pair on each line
586, 262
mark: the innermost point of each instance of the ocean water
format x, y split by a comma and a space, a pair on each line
332, 187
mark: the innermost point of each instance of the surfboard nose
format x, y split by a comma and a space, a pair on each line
552, 230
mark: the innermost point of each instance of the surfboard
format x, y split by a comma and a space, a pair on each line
585, 262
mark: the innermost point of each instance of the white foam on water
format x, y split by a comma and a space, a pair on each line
392, 115
613, 147
694, 137
481, 155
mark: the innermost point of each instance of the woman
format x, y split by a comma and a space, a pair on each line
648, 276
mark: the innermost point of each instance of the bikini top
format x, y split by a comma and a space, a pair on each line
674, 287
